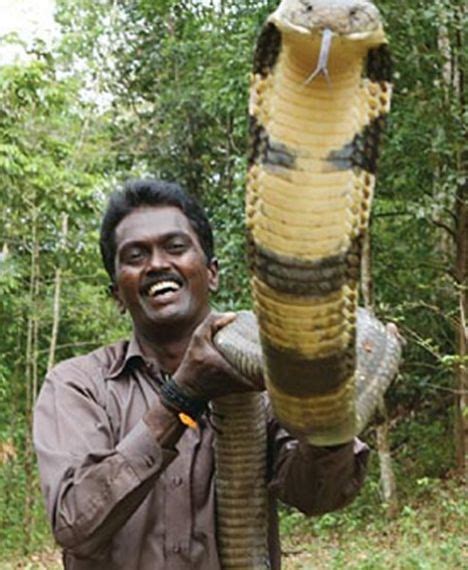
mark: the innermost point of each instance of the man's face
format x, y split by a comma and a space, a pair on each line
161, 273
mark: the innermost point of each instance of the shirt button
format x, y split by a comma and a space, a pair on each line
176, 481
176, 548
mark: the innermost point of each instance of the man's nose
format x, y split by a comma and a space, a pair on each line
159, 260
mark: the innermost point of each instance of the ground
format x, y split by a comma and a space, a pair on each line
428, 534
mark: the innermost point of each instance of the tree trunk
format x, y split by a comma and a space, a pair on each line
31, 383
461, 212
451, 47
366, 273
56, 306
387, 477
461, 372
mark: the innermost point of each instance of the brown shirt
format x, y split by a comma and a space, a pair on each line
118, 501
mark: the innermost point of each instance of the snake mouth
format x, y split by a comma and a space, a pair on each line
374, 35
285, 25
354, 20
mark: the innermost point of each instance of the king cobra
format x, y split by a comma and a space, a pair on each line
320, 91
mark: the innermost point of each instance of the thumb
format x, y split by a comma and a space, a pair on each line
221, 320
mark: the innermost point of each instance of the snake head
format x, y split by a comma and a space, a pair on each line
354, 19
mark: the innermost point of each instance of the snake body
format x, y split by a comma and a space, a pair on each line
315, 130
240, 420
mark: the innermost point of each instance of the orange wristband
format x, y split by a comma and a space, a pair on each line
187, 421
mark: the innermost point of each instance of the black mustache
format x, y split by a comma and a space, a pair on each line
158, 278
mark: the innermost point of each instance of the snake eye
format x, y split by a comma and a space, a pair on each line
353, 12
309, 8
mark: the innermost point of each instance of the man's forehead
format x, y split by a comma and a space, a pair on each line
153, 221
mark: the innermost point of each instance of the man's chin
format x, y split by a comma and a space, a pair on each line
163, 299
170, 316
167, 314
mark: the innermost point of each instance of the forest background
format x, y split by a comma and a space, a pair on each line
144, 88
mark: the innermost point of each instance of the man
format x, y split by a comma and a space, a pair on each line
127, 484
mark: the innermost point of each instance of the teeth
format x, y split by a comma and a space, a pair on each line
163, 286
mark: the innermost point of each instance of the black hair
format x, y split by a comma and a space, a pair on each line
140, 193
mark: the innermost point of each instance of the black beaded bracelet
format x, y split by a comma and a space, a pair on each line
174, 397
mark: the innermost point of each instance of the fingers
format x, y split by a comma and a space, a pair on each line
207, 368
393, 330
220, 320
214, 322
238, 382
247, 383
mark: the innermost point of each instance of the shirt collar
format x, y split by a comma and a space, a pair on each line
132, 354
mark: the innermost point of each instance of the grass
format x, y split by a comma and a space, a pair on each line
47, 559
429, 534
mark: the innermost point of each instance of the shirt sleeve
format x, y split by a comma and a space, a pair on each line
91, 484
316, 480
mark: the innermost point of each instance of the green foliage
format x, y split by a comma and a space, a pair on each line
168, 83
18, 503
428, 534
50, 169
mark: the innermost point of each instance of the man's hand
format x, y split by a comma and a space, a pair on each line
203, 373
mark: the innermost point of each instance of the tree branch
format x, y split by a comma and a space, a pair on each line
445, 227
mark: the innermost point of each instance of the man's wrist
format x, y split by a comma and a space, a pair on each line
164, 425
186, 383
176, 398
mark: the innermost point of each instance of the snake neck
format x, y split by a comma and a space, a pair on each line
326, 105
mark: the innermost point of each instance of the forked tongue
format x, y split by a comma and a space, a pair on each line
322, 65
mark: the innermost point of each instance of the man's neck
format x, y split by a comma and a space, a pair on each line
168, 355
167, 348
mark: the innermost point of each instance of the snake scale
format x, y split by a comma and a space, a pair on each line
320, 92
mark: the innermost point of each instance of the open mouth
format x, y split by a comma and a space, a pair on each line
163, 287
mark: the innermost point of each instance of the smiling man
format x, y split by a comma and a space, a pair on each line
127, 485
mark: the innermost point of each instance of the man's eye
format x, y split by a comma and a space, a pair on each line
177, 247
134, 255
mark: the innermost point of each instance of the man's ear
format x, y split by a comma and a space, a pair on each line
113, 291
213, 275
